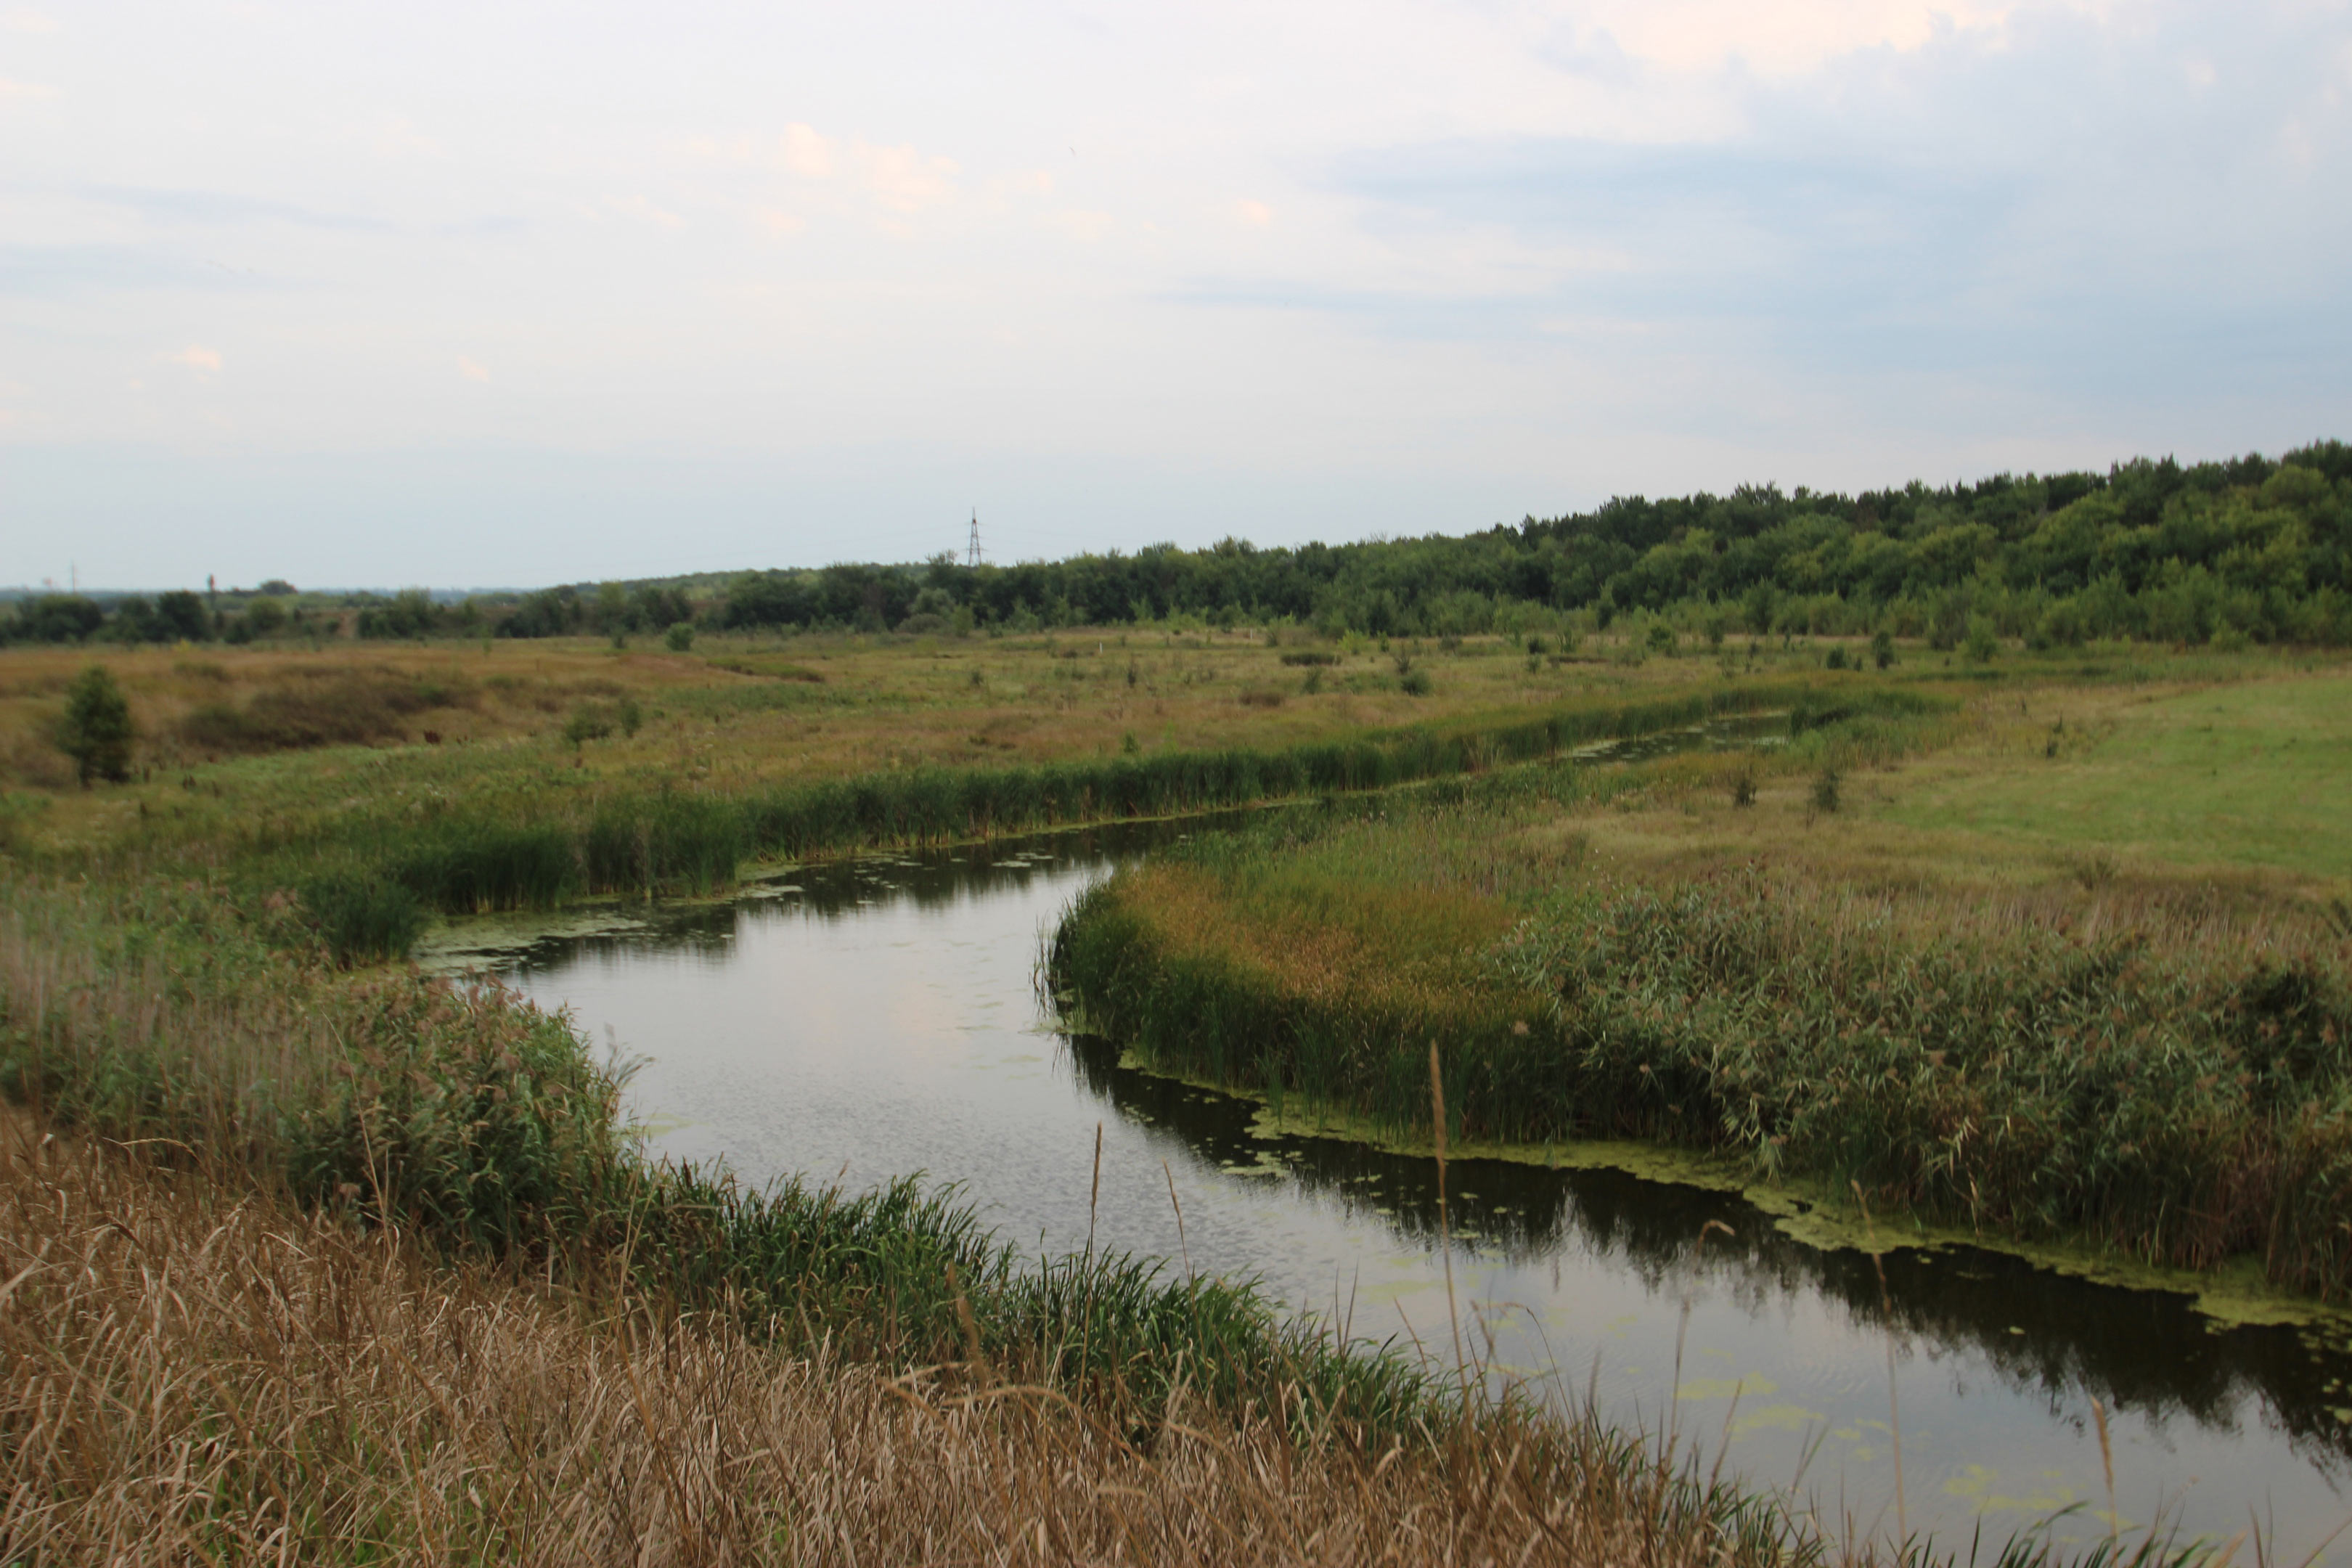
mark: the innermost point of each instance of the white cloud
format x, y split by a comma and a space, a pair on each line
1256, 214
195, 357
25, 91
473, 369
26, 19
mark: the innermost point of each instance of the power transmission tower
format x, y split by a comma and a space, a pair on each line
972, 551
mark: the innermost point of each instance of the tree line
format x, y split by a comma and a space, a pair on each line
2247, 548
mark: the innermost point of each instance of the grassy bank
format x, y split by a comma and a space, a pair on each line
482, 1125
335, 1270
2069, 1044
195, 1372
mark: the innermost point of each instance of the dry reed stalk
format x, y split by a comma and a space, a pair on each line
191, 1371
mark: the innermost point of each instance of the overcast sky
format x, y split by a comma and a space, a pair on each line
426, 293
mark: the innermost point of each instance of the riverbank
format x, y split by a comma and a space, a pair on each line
2077, 1044
173, 980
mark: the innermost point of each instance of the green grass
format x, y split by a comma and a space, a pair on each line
543, 840
158, 1017
2256, 773
2133, 1065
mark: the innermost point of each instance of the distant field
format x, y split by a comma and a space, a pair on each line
2257, 773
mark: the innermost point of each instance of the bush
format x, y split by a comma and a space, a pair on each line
358, 917
1827, 786
96, 729
1414, 683
1882, 649
588, 722
678, 639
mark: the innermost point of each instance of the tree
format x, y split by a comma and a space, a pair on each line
96, 729
180, 616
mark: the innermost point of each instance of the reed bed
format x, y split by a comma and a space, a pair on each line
650, 837
2148, 1068
482, 1126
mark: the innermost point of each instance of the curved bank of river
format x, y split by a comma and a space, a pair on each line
871, 1017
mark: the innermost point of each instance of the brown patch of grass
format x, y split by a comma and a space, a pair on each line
195, 1372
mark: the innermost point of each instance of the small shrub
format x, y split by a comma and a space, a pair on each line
1882, 649
1981, 643
1309, 655
361, 917
1835, 659
632, 717
1313, 683
678, 639
1826, 790
588, 722
1743, 787
96, 729
1414, 683
1661, 637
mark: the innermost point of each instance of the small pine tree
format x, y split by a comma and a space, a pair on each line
96, 731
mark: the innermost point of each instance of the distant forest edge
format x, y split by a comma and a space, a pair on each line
2252, 549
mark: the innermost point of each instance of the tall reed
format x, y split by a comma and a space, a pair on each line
2183, 1095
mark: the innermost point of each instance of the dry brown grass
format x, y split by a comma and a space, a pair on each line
195, 1372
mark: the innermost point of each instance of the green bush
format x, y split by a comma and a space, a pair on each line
359, 917
96, 731
679, 638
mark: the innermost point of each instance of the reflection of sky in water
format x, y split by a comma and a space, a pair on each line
882, 1017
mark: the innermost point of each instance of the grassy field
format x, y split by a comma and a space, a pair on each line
2011, 975
293, 1167
2249, 774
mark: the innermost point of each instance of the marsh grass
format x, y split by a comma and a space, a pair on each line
193, 1371
2147, 1066
482, 1125
644, 839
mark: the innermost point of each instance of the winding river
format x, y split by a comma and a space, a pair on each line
872, 1017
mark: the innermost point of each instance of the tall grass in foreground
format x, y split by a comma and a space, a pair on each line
2150, 1079
479, 1123
190, 1372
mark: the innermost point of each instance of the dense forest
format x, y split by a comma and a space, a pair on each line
2251, 548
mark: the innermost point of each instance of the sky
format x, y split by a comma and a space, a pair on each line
361, 293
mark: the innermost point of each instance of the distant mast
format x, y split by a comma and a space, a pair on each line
971, 551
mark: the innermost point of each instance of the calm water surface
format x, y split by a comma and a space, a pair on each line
875, 1017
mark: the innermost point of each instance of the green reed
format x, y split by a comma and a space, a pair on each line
2185, 1101
470, 1117
641, 839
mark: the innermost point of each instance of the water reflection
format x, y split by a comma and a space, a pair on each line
878, 1016
2138, 1349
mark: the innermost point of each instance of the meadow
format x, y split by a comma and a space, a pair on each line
255, 1145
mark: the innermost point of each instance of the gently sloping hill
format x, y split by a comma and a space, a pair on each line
2258, 774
